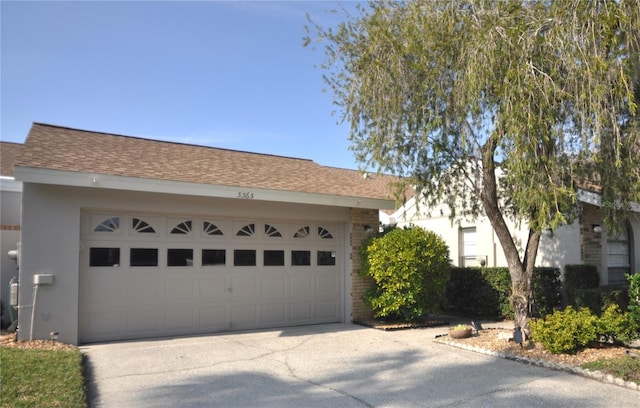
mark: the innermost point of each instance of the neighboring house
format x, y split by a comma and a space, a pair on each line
474, 242
10, 198
125, 238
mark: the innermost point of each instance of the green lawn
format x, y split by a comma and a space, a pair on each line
627, 368
41, 378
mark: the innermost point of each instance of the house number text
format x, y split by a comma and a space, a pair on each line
245, 195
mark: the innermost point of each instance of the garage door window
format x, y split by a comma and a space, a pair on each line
211, 257
271, 231
143, 257
273, 258
244, 257
302, 232
324, 233
179, 257
326, 258
108, 225
300, 258
184, 228
246, 231
142, 226
211, 229
104, 257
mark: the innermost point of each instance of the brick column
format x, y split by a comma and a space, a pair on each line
359, 219
591, 241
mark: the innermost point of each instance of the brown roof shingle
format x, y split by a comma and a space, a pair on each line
61, 148
8, 153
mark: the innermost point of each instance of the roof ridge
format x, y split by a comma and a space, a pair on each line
173, 142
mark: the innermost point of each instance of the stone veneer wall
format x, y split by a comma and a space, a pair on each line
359, 219
591, 242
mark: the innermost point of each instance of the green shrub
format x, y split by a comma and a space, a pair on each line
410, 268
499, 280
579, 277
634, 299
617, 327
599, 299
487, 291
588, 298
469, 293
634, 295
566, 331
547, 291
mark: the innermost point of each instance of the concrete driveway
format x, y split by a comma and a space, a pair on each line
336, 365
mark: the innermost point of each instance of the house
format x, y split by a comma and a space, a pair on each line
585, 241
124, 238
10, 198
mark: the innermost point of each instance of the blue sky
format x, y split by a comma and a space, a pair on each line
224, 74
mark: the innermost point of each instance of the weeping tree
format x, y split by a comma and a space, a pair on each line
496, 108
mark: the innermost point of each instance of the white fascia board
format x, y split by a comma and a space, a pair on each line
91, 180
589, 197
10, 184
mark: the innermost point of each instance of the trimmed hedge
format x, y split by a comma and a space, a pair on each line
486, 292
578, 277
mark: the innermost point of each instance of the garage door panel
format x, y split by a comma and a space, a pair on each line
301, 311
179, 319
327, 285
213, 288
104, 324
213, 317
144, 321
179, 289
327, 310
104, 289
244, 286
301, 286
143, 291
244, 316
273, 286
274, 313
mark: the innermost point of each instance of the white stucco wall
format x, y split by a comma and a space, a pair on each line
556, 249
51, 240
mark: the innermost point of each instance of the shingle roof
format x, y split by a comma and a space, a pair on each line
61, 148
8, 153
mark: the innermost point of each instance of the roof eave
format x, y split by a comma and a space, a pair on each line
106, 181
589, 197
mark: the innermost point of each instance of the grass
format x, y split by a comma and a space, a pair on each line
627, 368
41, 378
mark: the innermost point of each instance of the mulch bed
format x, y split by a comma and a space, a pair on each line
400, 325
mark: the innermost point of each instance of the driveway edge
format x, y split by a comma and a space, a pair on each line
594, 375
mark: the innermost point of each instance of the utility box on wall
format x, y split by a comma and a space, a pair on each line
43, 279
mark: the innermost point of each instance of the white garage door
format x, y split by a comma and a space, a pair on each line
151, 276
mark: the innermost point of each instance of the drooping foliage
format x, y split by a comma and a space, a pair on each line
501, 108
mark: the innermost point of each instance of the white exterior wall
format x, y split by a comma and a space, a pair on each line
556, 249
51, 241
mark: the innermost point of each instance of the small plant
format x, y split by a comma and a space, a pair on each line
566, 331
627, 368
634, 300
617, 327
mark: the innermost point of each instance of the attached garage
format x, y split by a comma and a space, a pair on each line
145, 238
145, 275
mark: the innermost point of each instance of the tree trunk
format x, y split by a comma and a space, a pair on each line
521, 271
